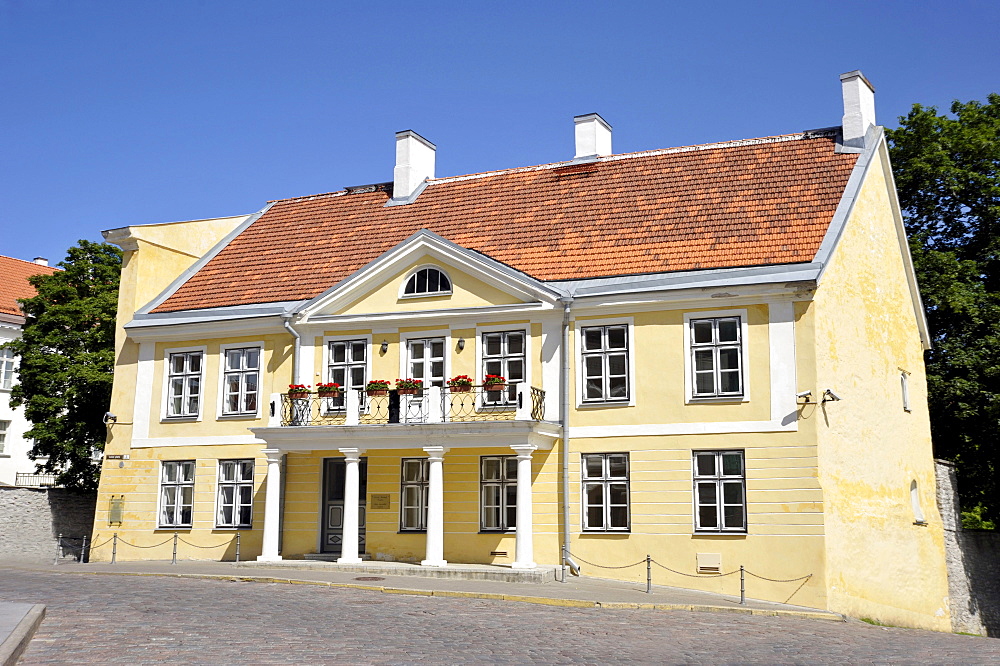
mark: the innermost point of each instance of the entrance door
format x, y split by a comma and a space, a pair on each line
332, 518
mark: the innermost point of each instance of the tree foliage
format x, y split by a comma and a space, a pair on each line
67, 361
947, 171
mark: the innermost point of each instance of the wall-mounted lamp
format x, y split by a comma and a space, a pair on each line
110, 418
385, 346
461, 344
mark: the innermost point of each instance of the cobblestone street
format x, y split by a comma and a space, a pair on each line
112, 619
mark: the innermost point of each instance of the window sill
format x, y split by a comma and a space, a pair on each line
224, 528
715, 399
412, 532
604, 532
180, 419
718, 534
174, 528
511, 532
605, 403
238, 417
436, 294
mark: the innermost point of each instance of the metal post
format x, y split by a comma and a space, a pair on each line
237, 547
114, 547
743, 589
174, 559
83, 548
58, 546
649, 574
563, 549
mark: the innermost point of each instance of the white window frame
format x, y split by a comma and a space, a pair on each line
8, 367
720, 480
369, 351
581, 324
404, 351
161, 485
605, 480
427, 294
424, 484
165, 409
221, 412
690, 397
236, 484
504, 482
525, 328
4, 431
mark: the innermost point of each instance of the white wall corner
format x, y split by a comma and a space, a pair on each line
414, 163
859, 107
593, 136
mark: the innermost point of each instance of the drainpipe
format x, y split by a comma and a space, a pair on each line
564, 394
286, 319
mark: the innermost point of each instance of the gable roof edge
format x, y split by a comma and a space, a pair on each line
198, 265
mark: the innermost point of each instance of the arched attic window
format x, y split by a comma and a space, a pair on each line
428, 281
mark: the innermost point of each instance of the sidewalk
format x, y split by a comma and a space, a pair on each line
581, 592
18, 623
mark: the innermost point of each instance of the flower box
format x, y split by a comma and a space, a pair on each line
409, 386
377, 387
460, 384
377, 392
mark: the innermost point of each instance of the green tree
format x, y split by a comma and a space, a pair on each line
67, 361
947, 171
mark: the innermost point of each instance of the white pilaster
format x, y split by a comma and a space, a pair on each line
352, 407
524, 548
272, 507
435, 507
435, 405
523, 397
274, 411
349, 547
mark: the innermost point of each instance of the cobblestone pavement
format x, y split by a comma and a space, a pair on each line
146, 620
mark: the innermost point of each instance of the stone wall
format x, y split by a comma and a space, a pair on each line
973, 558
32, 518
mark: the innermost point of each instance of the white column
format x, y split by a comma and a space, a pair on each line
272, 507
524, 549
349, 547
435, 507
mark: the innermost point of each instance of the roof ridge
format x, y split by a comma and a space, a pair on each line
26, 261
306, 197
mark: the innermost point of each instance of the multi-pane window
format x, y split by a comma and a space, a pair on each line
426, 282
719, 491
4, 426
426, 360
503, 354
176, 493
605, 363
346, 366
716, 357
413, 494
6, 368
241, 380
499, 493
184, 384
605, 492
235, 502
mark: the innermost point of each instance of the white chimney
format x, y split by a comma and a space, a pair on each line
859, 107
414, 163
593, 136
41, 261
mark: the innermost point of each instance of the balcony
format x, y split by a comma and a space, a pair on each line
476, 417
431, 405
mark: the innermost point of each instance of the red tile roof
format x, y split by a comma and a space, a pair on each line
14, 282
748, 203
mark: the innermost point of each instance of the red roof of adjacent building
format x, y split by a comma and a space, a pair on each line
746, 203
14, 275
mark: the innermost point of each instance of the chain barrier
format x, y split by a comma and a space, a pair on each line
194, 545
780, 580
601, 566
711, 575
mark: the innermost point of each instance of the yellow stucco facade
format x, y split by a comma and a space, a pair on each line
825, 484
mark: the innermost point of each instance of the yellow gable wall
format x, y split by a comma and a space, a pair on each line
467, 292
881, 565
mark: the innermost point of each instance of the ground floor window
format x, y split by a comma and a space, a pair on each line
235, 501
413, 494
176, 493
719, 491
498, 493
605, 492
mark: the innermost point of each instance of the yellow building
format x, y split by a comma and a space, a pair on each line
712, 355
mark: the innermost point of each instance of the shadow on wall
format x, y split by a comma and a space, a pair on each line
32, 518
71, 514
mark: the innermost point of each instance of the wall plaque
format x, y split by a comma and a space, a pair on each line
379, 501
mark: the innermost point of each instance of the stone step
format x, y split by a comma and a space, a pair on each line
541, 574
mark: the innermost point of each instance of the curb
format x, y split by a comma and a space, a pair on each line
544, 601
17, 642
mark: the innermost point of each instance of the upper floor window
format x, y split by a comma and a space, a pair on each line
346, 365
716, 357
427, 282
6, 368
503, 354
4, 427
184, 384
241, 380
605, 363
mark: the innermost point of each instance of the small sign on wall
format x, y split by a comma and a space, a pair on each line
379, 501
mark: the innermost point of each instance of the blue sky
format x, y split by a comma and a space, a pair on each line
119, 113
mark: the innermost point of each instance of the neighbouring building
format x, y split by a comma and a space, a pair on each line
16, 468
712, 354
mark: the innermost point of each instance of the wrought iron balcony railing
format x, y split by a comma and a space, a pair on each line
27, 480
431, 405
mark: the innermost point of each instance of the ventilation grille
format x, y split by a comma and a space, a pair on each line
709, 563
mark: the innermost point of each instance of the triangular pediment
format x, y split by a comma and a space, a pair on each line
476, 282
